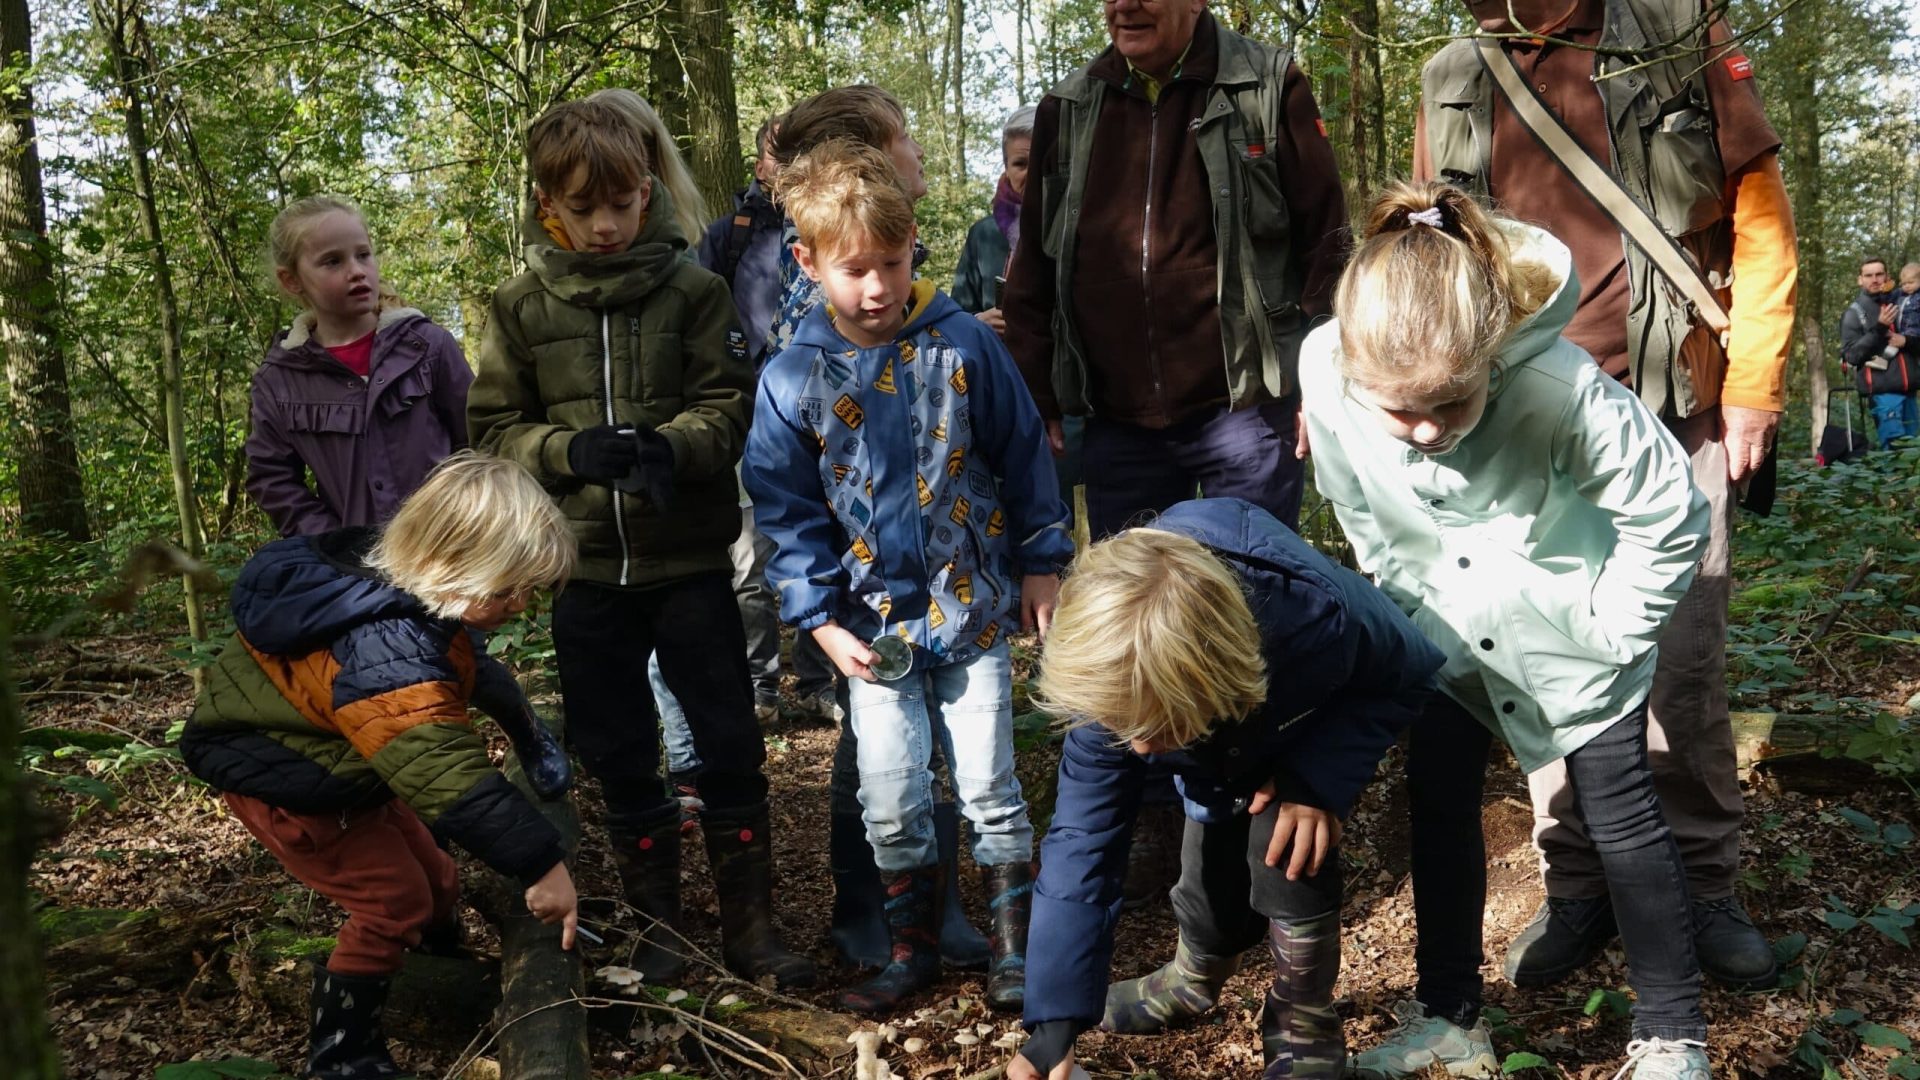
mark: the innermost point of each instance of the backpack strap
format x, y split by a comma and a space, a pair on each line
738, 240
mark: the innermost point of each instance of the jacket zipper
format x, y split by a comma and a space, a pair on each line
1146, 255
606, 379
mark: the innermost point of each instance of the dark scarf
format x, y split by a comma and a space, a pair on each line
1006, 212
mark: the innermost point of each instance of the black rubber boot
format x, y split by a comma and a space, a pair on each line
740, 849
542, 758
1009, 891
1563, 935
648, 858
911, 901
1732, 951
345, 1041
961, 944
1300, 1034
859, 929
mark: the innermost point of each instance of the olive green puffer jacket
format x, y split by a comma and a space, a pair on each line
643, 337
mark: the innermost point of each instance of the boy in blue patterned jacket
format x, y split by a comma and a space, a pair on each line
899, 466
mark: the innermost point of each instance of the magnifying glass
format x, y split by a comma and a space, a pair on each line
892, 657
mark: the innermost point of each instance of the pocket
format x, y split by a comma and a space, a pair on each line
1264, 207
1685, 170
413, 385
293, 832
660, 372
1053, 189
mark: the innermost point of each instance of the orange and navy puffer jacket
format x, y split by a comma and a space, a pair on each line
339, 692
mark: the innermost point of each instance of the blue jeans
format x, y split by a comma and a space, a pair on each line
682, 759
967, 706
1895, 416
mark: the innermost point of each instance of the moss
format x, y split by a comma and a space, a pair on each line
282, 943
61, 925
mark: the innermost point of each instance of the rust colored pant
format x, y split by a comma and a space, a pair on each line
381, 865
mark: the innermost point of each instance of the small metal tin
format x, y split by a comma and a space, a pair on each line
892, 657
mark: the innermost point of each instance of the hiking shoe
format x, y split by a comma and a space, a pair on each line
1731, 951
1666, 1059
766, 711
1420, 1042
1563, 936
821, 707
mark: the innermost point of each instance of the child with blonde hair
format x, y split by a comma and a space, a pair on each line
1217, 645
334, 725
898, 466
1540, 525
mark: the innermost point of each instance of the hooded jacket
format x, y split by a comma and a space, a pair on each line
906, 488
641, 337
1346, 672
753, 274
1545, 553
338, 692
368, 442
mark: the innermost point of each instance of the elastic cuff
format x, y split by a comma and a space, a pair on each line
682, 450
1051, 1042
813, 620
553, 453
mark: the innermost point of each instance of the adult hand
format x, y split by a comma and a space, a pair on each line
1309, 830
1056, 438
847, 651
1038, 594
552, 900
603, 454
1300, 440
1022, 1069
994, 320
1748, 435
1887, 313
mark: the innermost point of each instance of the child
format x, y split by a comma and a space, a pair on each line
1893, 382
335, 726
1270, 681
898, 467
1540, 525
368, 395
614, 371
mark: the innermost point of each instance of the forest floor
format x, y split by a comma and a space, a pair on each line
1808, 867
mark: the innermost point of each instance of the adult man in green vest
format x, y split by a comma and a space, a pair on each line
1688, 140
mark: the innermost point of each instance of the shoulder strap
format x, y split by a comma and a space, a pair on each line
737, 243
1632, 218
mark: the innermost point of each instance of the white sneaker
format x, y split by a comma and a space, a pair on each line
1666, 1059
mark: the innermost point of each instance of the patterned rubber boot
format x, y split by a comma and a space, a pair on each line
648, 858
961, 945
740, 849
549, 771
1299, 1031
1181, 990
345, 1041
911, 899
1009, 891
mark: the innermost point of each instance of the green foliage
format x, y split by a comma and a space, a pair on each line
102, 757
1522, 1061
233, 1068
1616, 1002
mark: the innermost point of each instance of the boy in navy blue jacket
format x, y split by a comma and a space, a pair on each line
899, 467
1271, 681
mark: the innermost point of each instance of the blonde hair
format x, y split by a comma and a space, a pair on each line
862, 113
596, 134
1152, 639
479, 526
842, 191
1426, 305
287, 238
689, 207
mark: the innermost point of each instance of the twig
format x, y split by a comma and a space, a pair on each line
1853, 581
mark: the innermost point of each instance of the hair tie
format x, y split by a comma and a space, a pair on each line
1430, 216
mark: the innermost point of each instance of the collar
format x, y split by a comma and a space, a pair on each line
1198, 62
303, 324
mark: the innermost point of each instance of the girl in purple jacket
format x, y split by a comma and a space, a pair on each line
364, 393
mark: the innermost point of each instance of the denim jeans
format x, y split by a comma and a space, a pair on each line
968, 707
682, 758
1613, 787
1895, 416
1248, 454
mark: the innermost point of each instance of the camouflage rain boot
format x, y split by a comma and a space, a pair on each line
344, 1037
912, 900
1009, 891
1299, 1032
1181, 990
648, 858
740, 849
961, 946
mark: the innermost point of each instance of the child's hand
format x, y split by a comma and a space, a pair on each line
847, 651
1038, 594
1309, 830
1022, 1069
552, 900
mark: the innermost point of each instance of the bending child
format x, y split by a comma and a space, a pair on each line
613, 370
334, 724
1218, 645
1540, 525
899, 468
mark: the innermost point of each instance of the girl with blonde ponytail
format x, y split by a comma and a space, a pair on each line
1539, 524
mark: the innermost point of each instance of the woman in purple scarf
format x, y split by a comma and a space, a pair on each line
983, 262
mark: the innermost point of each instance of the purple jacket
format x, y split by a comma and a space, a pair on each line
369, 442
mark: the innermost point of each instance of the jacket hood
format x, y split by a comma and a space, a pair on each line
290, 348
931, 307
1537, 248
590, 280
303, 593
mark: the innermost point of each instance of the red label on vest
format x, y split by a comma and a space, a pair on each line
1322, 125
1738, 67
1255, 150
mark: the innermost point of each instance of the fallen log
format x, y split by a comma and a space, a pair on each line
93, 949
1799, 752
437, 1001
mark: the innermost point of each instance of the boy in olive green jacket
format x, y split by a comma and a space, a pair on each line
615, 371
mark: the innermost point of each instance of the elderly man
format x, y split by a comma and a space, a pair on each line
1183, 228
1689, 140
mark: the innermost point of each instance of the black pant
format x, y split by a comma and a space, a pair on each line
601, 637
1227, 892
1613, 786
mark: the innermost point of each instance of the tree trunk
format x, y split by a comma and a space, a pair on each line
1366, 106
957, 46
26, 1044
713, 119
1802, 27
111, 19
51, 493
666, 71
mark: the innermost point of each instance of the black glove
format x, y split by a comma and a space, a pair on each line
603, 454
652, 474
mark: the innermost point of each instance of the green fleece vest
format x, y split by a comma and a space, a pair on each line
1258, 285
1660, 134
